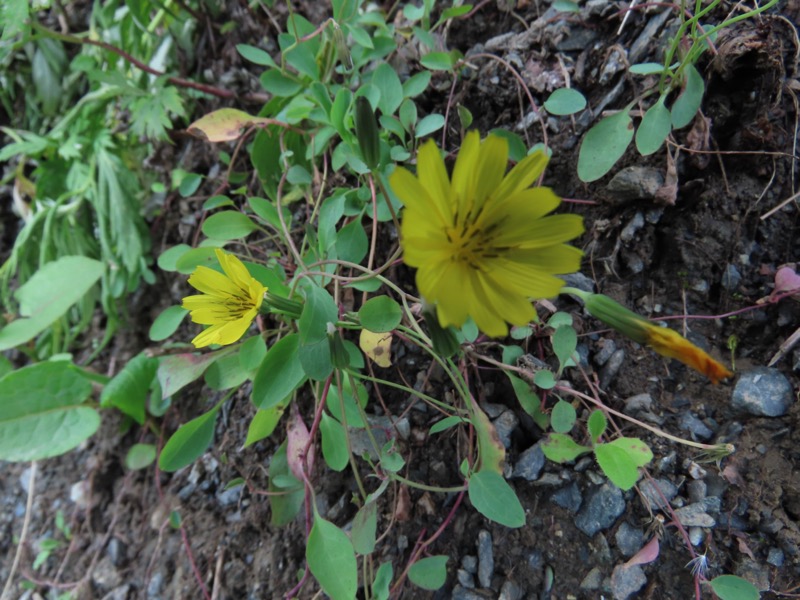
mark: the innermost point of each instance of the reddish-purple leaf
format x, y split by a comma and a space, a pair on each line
786, 280
297, 439
647, 554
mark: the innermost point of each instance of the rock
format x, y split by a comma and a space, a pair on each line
775, 557
626, 581
755, 573
120, 593
485, 559
629, 231
634, 183
577, 39
460, 593
25, 479
154, 586
505, 425
465, 579
80, 493
696, 535
530, 463
579, 281
608, 348
696, 471
510, 591
230, 496
105, 575
568, 497
696, 490
593, 580
731, 278
470, 564
695, 515
117, 552
604, 505
639, 402
611, 368
629, 539
763, 392
699, 431
650, 490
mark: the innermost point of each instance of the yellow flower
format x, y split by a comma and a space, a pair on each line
663, 340
481, 242
228, 302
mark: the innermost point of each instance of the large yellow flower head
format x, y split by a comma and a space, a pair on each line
228, 302
481, 241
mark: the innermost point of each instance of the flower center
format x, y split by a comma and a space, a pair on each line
472, 240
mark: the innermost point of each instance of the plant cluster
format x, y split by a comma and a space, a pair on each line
298, 276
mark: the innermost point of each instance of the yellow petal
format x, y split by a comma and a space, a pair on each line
463, 183
523, 174
670, 343
547, 231
212, 282
433, 178
491, 167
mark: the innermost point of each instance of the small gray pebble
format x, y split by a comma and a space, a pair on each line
650, 490
510, 591
461, 593
696, 490
580, 281
505, 425
154, 585
485, 559
626, 581
775, 557
602, 508
593, 580
611, 368
230, 496
639, 402
607, 349
470, 563
117, 552
493, 410
465, 579
699, 431
696, 535
756, 573
119, 593
634, 183
731, 278
629, 539
635, 224
763, 392
568, 497
530, 463
695, 515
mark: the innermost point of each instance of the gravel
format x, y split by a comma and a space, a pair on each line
763, 392
603, 507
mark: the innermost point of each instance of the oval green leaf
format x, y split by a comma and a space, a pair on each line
140, 456
565, 101
380, 314
228, 225
334, 443
332, 560
429, 573
562, 417
731, 587
491, 496
688, 103
280, 373
604, 144
189, 442
167, 323
654, 128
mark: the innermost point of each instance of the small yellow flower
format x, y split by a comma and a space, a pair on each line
228, 302
481, 241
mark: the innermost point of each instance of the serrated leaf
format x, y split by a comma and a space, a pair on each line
332, 560
603, 145
493, 497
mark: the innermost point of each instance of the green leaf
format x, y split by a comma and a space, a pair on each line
41, 414
565, 101
529, 400
263, 424
491, 496
179, 370
597, 425
383, 579
167, 260
438, 61
654, 128
620, 460
319, 310
352, 415
228, 225
648, 68
564, 341
226, 373
391, 459
544, 379
280, 373
140, 456
688, 103
429, 573
351, 242
287, 503
365, 527
334, 443
380, 314
604, 144
562, 417
252, 352
278, 84
416, 84
189, 442
128, 390
428, 125
561, 448
14, 17
256, 55
269, 212
731, 587
189, 184
47, 295
386, 80
446, 424
566, 6
332, 560
560, 319
167, 323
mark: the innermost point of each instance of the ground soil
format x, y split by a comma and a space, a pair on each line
728, 175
